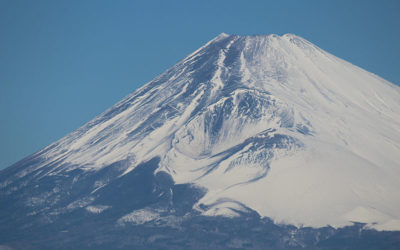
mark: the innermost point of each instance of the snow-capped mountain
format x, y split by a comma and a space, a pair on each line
267, 124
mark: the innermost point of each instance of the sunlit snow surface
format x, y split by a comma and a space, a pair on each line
271, 123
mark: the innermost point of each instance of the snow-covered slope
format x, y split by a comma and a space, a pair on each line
271, 123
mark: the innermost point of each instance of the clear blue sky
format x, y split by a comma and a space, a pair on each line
64, 62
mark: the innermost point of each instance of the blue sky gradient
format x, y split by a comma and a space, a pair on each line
64, 62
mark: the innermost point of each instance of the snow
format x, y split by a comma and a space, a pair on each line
273, 123
226, 208
139, 217
80, 203
97, 209
217, 78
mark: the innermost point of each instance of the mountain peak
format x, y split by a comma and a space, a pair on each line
269, 123
223, 34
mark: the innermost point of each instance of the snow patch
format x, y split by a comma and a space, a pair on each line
139, 217
97, 209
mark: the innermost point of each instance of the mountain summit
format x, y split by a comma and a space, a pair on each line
264, 124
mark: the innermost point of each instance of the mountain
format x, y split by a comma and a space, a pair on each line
247, 141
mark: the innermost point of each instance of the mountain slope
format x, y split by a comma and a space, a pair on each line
270, 124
